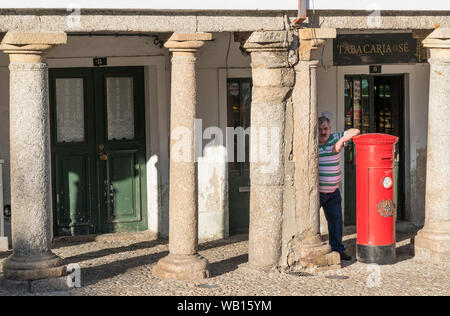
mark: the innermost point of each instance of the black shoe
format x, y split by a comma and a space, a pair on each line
345, 257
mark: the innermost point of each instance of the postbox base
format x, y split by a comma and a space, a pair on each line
376, 254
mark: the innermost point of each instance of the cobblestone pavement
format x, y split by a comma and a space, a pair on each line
124, 268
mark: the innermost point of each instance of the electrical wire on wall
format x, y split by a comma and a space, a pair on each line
230, 35
228, 52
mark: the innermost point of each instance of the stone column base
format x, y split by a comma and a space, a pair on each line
313, 258
34, 286
33, 268
182, 267
432, 246
318, 258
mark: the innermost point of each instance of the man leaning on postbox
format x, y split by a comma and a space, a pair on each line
330, 175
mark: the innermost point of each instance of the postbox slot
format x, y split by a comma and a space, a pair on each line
387, 158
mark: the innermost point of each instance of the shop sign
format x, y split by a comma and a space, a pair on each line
369, 49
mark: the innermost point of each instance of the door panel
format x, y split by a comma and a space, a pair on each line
74, 194
98, 150
123, 187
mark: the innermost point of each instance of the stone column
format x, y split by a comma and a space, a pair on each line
272, 85
309, 251
433, 241
183, 262
32, 258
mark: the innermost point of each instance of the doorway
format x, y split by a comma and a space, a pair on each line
98, 150
374, 104
239, 95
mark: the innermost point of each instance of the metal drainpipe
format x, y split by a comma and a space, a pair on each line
2, 219
302, 6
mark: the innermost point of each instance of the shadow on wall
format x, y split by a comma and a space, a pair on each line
416, 214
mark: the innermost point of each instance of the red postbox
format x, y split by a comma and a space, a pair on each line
375, 215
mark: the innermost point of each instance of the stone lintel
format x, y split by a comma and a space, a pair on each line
311, 40
312, 33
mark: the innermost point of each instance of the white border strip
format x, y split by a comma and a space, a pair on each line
397, 5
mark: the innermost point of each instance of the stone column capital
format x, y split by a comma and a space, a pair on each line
29, 47
187, 43
439, 38
267, 41
439, 43
311, 40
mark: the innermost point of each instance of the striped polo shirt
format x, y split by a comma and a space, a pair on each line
330, 173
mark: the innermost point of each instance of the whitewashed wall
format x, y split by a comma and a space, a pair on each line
216, 60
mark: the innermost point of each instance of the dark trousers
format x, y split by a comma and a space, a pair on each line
332, 207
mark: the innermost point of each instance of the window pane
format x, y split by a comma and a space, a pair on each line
120, 108
357, 104
365, 107
70, 110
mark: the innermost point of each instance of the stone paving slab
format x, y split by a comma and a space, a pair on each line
124, 268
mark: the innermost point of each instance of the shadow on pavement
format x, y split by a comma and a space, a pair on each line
112, 251
148, 244
94, 274
227, 265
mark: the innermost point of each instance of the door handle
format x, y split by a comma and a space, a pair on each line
102, 155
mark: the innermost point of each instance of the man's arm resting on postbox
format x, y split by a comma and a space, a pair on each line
349, 134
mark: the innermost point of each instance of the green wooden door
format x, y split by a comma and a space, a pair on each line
239, 102
98, 150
